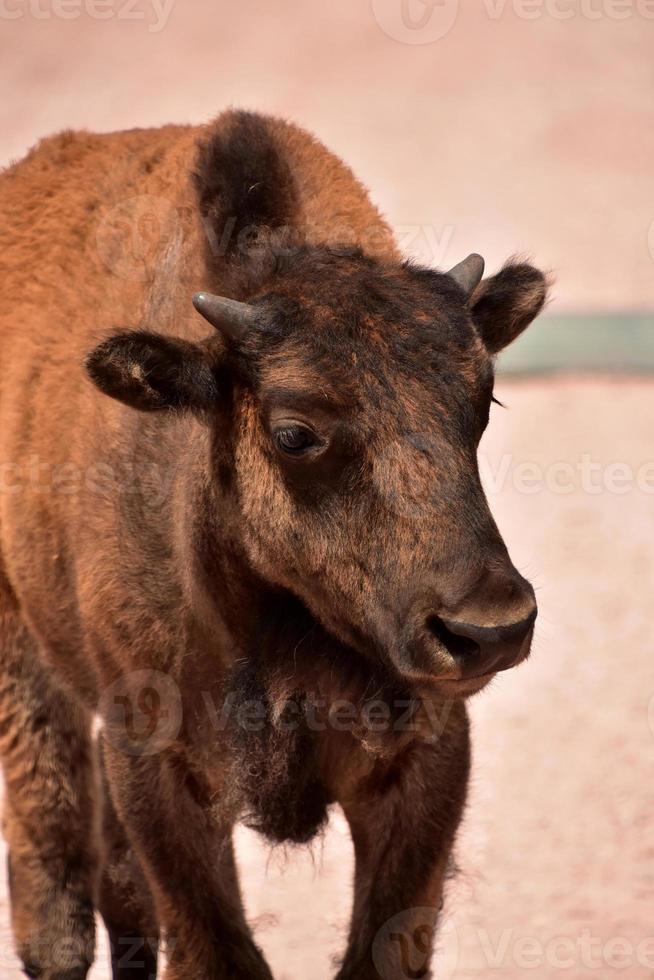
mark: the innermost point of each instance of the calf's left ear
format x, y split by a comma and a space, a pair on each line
151, 372
504, 304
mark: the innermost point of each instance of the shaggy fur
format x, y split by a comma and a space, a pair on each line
262, 633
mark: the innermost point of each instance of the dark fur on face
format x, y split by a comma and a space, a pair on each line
384, 363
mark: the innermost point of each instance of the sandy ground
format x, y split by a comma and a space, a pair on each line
557, 849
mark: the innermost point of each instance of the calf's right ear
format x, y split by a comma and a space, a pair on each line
503, 305
151, 372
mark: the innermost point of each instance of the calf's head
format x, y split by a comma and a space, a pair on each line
350, 398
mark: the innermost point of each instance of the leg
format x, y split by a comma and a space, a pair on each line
403, 821
124, 900
46, 752
190, 865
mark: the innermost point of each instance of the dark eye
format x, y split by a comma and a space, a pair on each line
294, 440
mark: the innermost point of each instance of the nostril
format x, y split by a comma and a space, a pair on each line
455, 643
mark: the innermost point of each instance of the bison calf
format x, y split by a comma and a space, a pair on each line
250, 537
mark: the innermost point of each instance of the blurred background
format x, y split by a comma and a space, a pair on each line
503, 127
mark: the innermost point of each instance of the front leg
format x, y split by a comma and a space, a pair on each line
189, 862
403, 818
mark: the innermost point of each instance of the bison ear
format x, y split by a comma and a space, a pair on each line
504, 304
151, 372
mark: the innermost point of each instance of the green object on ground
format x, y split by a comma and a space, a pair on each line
614, 343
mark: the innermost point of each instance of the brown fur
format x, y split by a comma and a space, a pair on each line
164, 564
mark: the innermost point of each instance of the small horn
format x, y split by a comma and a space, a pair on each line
232, 318
468, 273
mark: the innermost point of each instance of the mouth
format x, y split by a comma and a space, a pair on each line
463, 687
459, 660
451, 687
